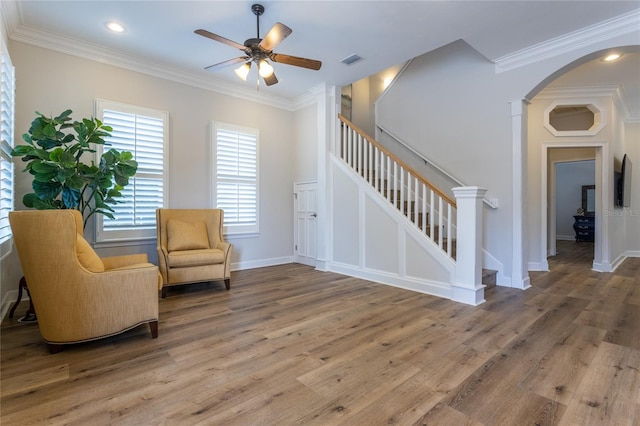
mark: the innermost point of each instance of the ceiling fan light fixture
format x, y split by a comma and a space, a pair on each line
258, 50
243, 70
265, 69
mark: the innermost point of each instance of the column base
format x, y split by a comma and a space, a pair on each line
467, 295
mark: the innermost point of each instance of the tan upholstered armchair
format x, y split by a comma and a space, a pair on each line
77, 295
191, 248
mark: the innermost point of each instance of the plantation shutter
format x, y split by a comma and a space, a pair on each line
144, 135
7, 106
237, 177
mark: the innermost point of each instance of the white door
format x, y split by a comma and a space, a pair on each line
305, 238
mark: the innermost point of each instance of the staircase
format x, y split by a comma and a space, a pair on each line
416, 200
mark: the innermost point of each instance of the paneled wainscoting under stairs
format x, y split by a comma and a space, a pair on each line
421, 209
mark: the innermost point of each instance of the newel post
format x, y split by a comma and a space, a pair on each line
467, 287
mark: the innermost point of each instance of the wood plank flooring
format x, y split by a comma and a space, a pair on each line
291, 345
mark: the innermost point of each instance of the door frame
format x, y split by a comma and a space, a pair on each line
603, 192
311, 261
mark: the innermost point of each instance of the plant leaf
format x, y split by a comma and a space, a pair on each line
70, 197
64, 116
29, 199
45, 177
74, 182
42, 167
46, 190
45, 204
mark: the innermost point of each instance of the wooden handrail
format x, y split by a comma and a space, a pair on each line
404, 165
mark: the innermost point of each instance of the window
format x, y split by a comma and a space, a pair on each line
143, 132
235, 176
7, 103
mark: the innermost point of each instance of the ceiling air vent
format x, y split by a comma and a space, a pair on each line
351, 59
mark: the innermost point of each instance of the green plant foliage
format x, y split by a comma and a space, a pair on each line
61, 180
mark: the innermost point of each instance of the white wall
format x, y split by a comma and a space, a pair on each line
50, 82
362, 106
632, 213
305, 153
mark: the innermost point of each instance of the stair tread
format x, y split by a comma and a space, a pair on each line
489, 277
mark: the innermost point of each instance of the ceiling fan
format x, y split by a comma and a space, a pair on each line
258, 50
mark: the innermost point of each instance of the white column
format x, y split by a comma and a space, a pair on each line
326, 122
519, 262
467, 287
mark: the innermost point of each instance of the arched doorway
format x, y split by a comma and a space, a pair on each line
574, 80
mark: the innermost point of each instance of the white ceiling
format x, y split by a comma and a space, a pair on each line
385, 33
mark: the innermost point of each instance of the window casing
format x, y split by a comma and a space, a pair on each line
235, 176
7, 177
144, 133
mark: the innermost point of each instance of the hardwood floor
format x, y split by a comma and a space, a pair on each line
289, 345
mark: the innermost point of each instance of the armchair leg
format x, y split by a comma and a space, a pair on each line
164, 292
153, 327
227, 283
54, 349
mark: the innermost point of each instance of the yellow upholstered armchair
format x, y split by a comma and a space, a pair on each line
77, 295
191, 248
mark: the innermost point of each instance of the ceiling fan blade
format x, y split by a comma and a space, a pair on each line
216, 37
276, 34
271, 80
227, 63
311, 64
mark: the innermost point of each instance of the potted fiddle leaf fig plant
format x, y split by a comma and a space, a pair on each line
55, 151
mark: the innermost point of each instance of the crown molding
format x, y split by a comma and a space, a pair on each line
10, 15
602, 31
74, 47
615, 92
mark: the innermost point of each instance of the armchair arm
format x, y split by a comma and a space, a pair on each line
224, 246
113, 262
163, 262
227, 249
100, 304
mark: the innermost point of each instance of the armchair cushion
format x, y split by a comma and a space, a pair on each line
87, 257
183, 235
181, 259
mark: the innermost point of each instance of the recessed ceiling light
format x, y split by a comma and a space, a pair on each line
115, 27
612, 57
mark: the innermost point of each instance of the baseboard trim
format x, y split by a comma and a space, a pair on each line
262, 263
433, 288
